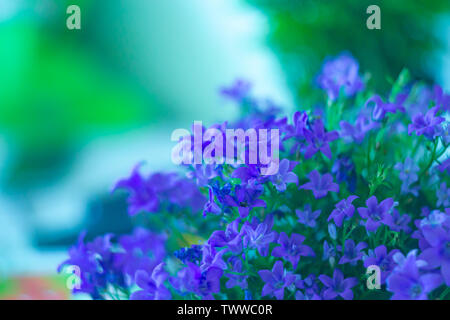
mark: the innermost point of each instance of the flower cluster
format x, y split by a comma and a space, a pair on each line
363, 181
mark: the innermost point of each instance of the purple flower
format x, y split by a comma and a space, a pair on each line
320, 185
291, 249
182, 194
438, 254
245, 199
376, 213
95, 262
297, 129
142, 250
260, 236
202, 174
142, 193
211, 206
237, 91
379, 257
212, 258
193, 254
381, 107
443, 195
221, 191
338, 286
319, 140
284, 175
407, 169
340, 73
276, 280
427, 125
328, 252
247, 173
309, 286
442, 99
152, 286
406, 281
231, 237
344, 170
351, 253
400, 222
344, 209
357, 132
148, 194
307, 216
192, 279
434, 224
238, 277
408, 174
445, 166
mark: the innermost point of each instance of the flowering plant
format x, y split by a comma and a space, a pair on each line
363, 181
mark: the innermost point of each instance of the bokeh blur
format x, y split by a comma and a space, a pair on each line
79, 108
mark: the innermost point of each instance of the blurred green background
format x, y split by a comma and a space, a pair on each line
78, 108
414, 34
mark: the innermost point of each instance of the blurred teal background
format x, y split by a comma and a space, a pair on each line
78, 108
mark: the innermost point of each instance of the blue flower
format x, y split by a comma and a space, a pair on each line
381, 107
284, 175
344, 209
437, 255
338, 286
376, 213
238, 277
340, 73
427, 125
307, 216
358, 132
141, 250
193, 254
244, 199
212, 258
260, 236
192, 279
291, 249
329, 253
211, 206
407, 282
320, 185
237, 91
344, 170
276, 280
230, 238
443, 195
95, 260
351, 253
380, 257
142, 194
318, 140
152, 287
202, 174
407, 174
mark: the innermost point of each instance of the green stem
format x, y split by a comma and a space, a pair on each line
432, 158
444, 294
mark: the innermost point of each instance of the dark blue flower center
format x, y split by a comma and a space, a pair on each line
293, 249
415, 291
447, 250
384, 265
